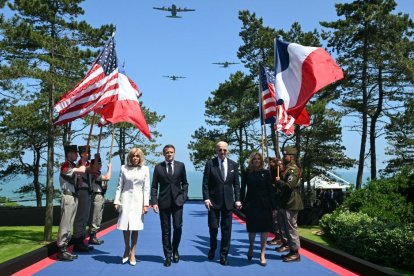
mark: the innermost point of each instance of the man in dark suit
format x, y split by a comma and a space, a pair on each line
169, 191
221, 192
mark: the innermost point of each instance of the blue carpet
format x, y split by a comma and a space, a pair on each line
106, 258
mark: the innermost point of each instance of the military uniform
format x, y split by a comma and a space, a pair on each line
290, 204
69, 204
84, 205
98, 200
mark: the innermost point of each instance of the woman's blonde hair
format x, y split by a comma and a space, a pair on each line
131, 154
250, 167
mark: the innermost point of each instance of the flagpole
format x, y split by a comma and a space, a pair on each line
277, 114
262, 119
90, 130
112, 145
99, 139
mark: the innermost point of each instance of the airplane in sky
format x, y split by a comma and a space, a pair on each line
174, 78
225, 64
173, 9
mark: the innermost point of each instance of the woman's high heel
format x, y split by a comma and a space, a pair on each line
250, 255
125, 259
263, 263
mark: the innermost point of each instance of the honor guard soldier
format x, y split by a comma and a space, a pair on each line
69, 201
84, 200
290, 203
99, 187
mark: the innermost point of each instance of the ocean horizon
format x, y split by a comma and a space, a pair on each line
194, 179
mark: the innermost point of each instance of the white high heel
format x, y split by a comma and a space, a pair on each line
124, 260
133, 262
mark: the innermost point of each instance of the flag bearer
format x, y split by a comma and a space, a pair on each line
84, 200
69, 201
290, 202
99, 187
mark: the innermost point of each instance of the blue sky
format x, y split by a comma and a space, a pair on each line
153, 45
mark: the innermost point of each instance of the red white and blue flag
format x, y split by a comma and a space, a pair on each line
300, 72
268, 99
105, 91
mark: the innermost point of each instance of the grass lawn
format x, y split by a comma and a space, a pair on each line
18, 240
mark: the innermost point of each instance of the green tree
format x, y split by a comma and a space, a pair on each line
372, 45
400, 137
46, 47
26, 144
320, 143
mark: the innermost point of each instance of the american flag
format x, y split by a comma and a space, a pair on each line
96, 89
268, 99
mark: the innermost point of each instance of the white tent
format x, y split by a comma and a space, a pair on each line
329, 180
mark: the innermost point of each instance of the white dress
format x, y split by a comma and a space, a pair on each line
132, 194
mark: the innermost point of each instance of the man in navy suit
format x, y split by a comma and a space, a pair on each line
169, 191
221, 193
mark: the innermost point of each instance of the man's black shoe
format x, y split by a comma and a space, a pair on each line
211, 254
176, 257
224, 261
292, 257
167, 262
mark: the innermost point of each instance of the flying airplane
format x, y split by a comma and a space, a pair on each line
173, 9
174, 78
225, 64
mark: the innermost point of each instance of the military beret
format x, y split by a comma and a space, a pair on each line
83, 149
71, 148
290, 151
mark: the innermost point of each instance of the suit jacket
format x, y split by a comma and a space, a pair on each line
222, 193
165, 189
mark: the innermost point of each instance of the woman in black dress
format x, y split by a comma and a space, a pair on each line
259, 204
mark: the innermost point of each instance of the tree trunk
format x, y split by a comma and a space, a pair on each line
47, 235
49, 175
38, 191
361, 159
374, 120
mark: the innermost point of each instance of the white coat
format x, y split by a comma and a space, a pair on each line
132, 194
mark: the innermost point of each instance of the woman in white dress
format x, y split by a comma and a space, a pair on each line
132, 201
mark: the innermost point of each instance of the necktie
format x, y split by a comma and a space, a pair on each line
170, 173
223, 172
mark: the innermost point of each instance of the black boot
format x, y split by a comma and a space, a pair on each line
293, 256
64, 255
79, 246
94, 240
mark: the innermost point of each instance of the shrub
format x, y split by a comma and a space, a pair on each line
370, 238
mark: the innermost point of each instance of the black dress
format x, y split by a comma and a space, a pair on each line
259, 201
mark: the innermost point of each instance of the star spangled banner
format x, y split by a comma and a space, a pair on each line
268, 99
96, 89
106, 91
301, 71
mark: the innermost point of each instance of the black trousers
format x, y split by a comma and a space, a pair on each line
176, 213
223, 218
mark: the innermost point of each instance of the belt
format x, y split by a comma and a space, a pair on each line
66, 192
98, 193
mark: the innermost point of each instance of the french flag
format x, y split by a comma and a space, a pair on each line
301, 71
126, 107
